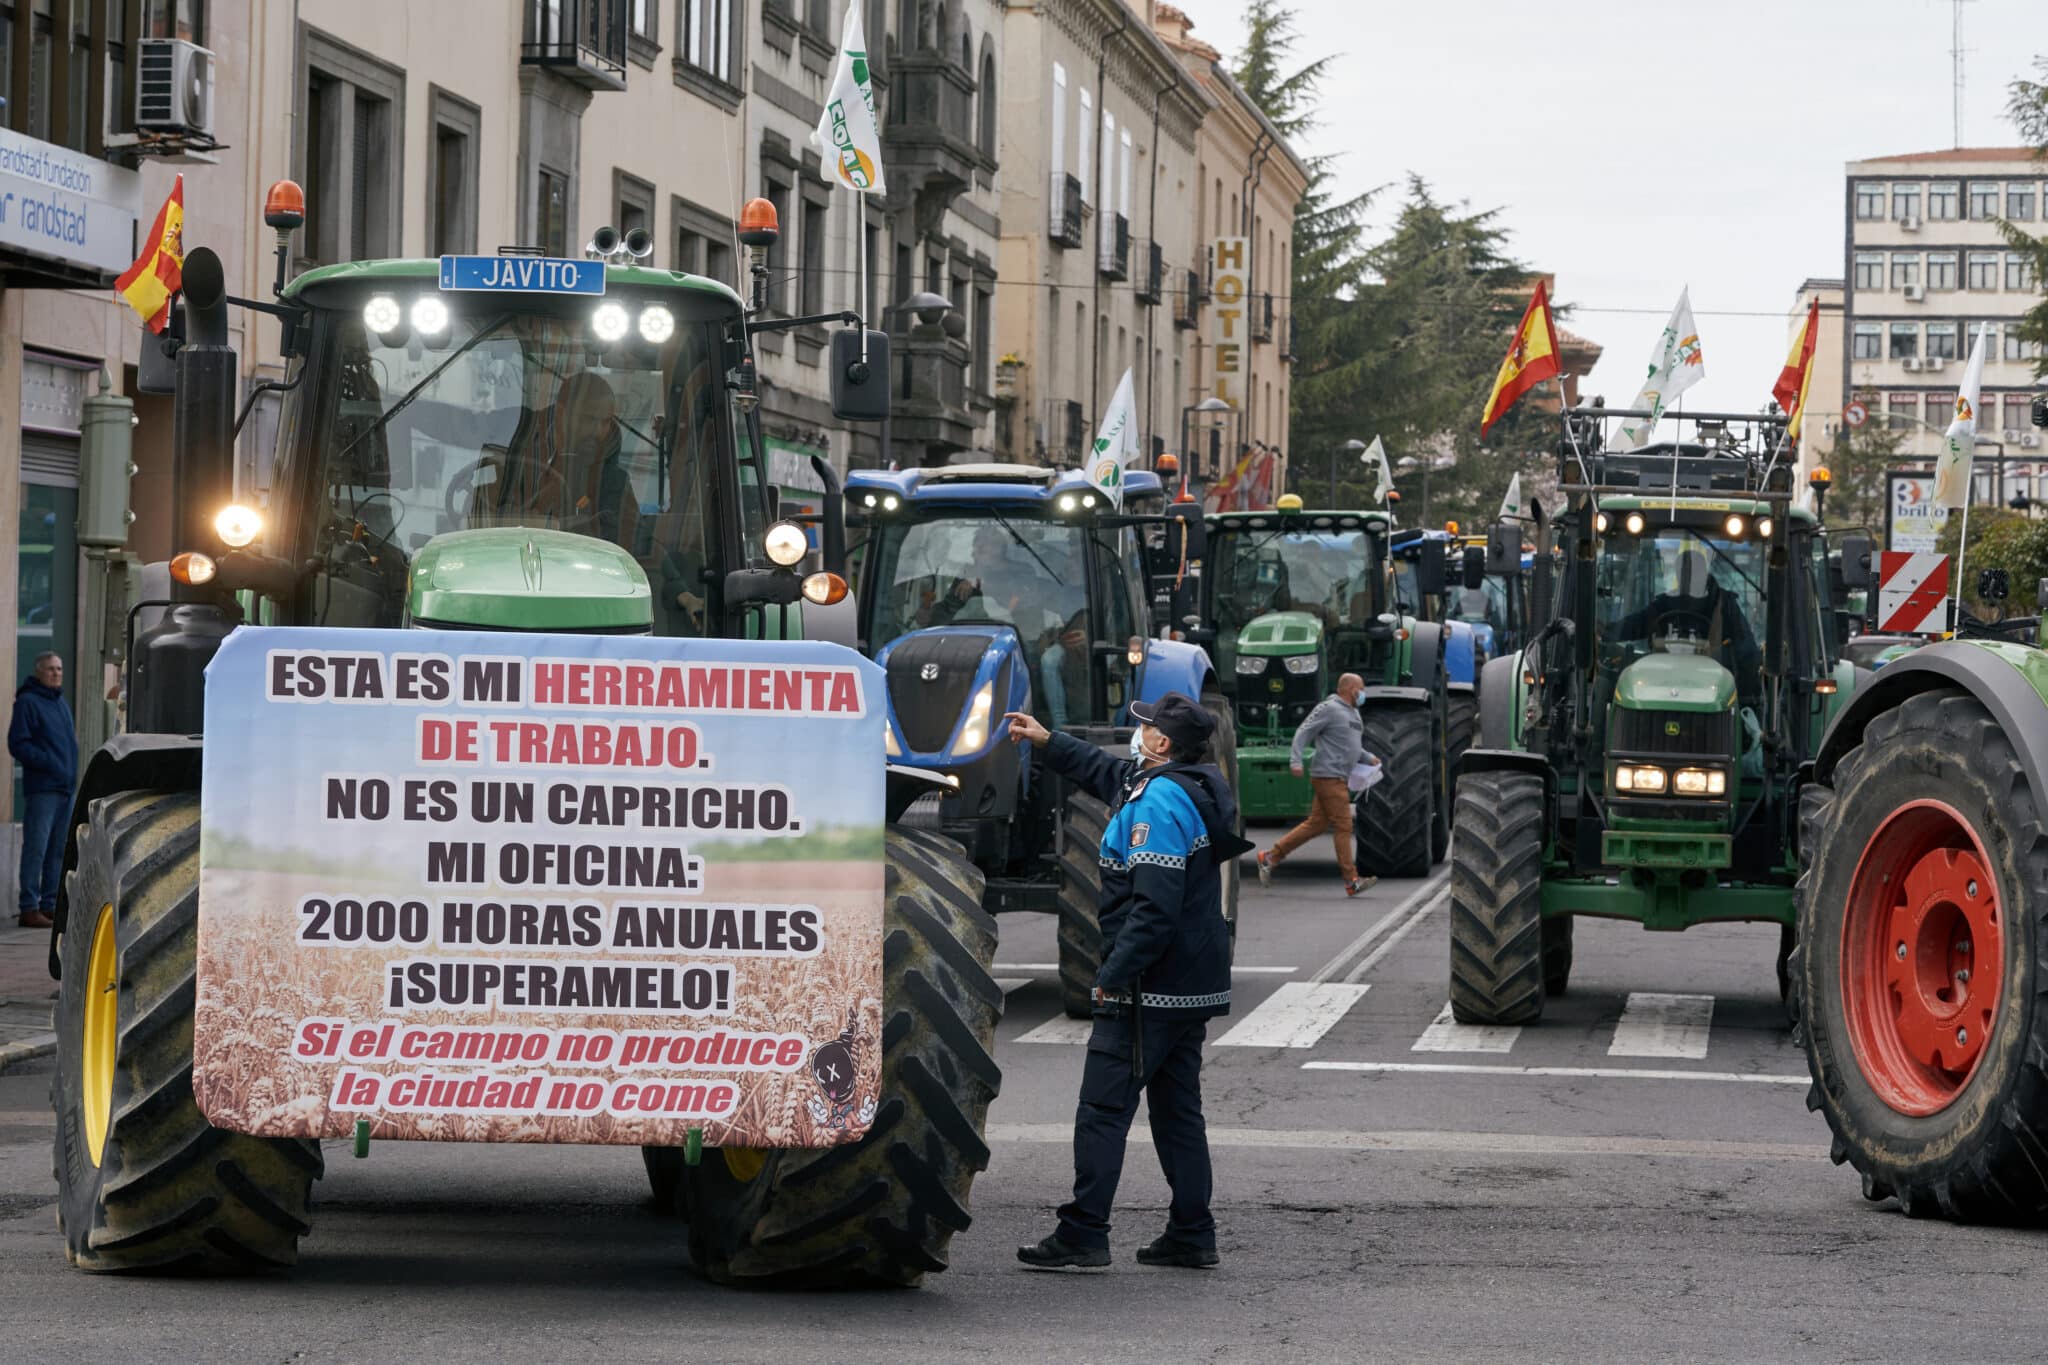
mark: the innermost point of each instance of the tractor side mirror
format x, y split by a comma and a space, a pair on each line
1186, 522
1503, 549
1855, 561
156, 363
1430, 569
1994, 585
860, 386
1475, 566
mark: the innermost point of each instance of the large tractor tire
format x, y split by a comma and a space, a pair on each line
1394, 819
1223, 753
1498, 958
1080, 925
883, 1210
1923, 921
143, 1181
1461, 731
1814, 801
1557, 953
1441, 787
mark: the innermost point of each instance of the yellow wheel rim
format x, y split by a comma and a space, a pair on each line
96, 1043
744, 1163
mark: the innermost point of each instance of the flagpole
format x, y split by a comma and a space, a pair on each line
1969, 495
860, 251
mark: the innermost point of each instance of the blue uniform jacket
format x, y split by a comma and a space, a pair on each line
1162, 889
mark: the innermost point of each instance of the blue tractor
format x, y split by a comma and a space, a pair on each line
1422, 586
985, 588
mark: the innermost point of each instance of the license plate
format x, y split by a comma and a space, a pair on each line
522, 274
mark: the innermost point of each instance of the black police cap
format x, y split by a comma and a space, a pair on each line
1178, 718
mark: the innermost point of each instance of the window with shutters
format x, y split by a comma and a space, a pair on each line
552, 203
349, 154
452, 175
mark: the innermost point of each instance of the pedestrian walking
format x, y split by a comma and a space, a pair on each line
1338, 733
1165, 973
43, 742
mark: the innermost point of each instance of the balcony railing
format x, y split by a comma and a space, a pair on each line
1076, 433
583, 40
1152, 275
1116, 247
1063, 210
1262, 318
1188, 310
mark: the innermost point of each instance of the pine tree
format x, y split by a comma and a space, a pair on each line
2028, 109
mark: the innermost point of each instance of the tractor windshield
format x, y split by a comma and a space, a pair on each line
1326, 573
985, 568
524, 415
1675, 589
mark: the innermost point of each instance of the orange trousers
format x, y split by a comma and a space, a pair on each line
1332, 812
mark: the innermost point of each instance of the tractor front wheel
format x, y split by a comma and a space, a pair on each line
882, 1210
1461, 729
1395, 818
1499, 954
1923, 914
143, 1181
1080, 924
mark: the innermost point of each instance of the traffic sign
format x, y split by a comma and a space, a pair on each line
523, 274
1912, 593
1855, 415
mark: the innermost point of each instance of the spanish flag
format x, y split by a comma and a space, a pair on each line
1530, 360
159, 272
1790, 390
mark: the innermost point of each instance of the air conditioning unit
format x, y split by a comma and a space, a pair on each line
1916, 293
174, 87
2012, 435
1909, 224
2031, 440
1912, 362
1936, 364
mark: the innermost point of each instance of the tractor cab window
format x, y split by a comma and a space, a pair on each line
512, 418
986, 568
1676, 590
1485, 605
1324, 573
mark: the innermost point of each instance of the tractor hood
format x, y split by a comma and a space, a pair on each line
1281, 632
1675, 682
526, 578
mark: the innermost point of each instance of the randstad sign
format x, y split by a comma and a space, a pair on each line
65, 206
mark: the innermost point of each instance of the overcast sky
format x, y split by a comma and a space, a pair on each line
1637, 146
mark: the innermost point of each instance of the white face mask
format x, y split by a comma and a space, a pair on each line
1137, 745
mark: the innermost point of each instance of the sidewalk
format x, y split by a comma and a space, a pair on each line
26, 993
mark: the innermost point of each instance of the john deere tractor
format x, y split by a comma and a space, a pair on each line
505, 443
1291, 600
1646, 755
986, 588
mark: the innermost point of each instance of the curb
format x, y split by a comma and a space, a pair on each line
35, 1045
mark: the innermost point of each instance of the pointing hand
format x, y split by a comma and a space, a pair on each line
1024, 726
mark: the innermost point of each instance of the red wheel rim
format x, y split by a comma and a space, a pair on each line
1923, 957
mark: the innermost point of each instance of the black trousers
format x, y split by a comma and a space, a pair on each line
1170, 1078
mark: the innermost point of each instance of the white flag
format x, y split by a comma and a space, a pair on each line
1377, 453
1952, 470
847, 135
1512, 508
1675, 366
1115, 442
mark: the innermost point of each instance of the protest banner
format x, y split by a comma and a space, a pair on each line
513, 888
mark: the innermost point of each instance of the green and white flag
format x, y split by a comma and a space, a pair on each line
1952, 468
1115, 442
847, 134
1377, 453
1512, 508
1675, 366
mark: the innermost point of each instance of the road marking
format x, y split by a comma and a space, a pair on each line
1435, 883
1446, 1034
1654, 1025
1296, 1015
1588, 1072
1463, 1144
1054, 966
1393, 940
32, 1118
1059, 1029
1011, 983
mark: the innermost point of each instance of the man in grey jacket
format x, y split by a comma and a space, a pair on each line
1338, 734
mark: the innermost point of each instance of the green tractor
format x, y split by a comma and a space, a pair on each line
1647, 754
1289, 601
505, 443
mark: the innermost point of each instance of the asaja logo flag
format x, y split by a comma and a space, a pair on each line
1511, 506
1952, 470
1676, 364
1111, 453
1376, 453
846, 133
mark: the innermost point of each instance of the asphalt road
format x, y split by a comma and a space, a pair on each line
1634, 1179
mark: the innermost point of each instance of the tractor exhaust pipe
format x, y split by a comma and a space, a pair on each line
203, 428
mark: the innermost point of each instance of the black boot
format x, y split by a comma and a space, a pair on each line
1054, 1254
1166, 1251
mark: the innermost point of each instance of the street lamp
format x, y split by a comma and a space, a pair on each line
1354, 446
1207, 407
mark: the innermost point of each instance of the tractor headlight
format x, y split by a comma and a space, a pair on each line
1700, 782
1299, 664
1640, 778
381, 314
609, 322
1634, 523
1600, 522
429, 316
1735, 526
1251, 665
786, 544
237, 525
1134, 651
974, 734
657, 324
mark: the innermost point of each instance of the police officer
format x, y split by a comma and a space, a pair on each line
1165, 973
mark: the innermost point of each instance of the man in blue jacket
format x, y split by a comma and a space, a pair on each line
43, 742
1165, 973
